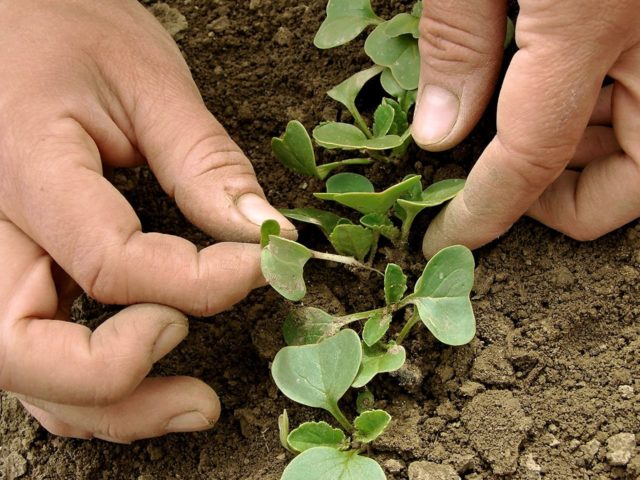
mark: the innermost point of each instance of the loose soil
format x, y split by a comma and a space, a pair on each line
543, 391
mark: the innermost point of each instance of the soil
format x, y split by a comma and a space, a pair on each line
545, 390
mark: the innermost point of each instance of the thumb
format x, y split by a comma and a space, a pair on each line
461, 47
199, 165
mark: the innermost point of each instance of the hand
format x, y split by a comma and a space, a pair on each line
566, 152
86, 85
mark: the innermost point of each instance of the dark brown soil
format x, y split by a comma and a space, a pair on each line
554, 372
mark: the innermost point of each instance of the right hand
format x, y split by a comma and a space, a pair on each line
86, 85
566, 151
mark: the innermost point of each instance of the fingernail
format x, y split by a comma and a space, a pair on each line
106, 438
437, 114
256, 209
189, 422
171, 336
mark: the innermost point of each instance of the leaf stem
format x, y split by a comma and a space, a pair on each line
331, 257
346, 319
334, 410
415, 318
362, 125
406, 226
374, 248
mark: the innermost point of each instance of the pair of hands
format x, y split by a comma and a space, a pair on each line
86, 87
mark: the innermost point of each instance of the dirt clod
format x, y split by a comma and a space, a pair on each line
620, 448
431, 471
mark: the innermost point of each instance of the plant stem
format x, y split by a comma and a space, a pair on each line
415, 318
334, 410
362, 125
331, 257
346, 319
374, 248
406, 226
378, 156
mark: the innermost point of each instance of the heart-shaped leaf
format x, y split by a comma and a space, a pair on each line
327, 221
375, 328
352, 241
442, 296
307, 325
294, 150
370, 425
347, 91
380, 223
377, 360
366, 202
382, 120
395, 283
282, 263
319, 375
332, 135
402, 24
399, 53
316, 434
346, 19
326, 463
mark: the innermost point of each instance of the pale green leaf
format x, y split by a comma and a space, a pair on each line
382, 120
347, 91
400, 54
326, 463
346, 19
370, 425
319, 375
307, 325
402, 24
332, 135
326, 168
327, 221
349, 182
442, 296
316, 434
364, 401
395, 283
283, 430
375, 328
268, 228
282, 263
381, 223
376, 360
390, 84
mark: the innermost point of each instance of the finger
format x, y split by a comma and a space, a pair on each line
89, 229
596, 142
157, 407
541, 118
460, 62
193, 157
602, 112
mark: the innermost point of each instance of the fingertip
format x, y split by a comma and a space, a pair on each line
257, 210
435, 119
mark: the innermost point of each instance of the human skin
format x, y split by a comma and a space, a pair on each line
567, 150
87, 86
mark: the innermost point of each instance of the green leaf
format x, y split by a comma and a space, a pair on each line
395, 283
510, 33
370, 425
349, 182
442, 296
416, 11
390, 84
268, 228
352, 241
326, 463
436, 194
400, 54
347, 91
282, 263
332, 135
294, 150
307, 325
382, 120
376, 360
382, 224
364, 401
283, 430
319, 375
346, 19
375, 328
316, 434
327, 221
367, 202
400, 121
402, 24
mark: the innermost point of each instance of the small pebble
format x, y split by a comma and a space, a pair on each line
626, 391
620, 448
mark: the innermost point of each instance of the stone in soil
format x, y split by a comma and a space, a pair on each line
431, 471
620, 448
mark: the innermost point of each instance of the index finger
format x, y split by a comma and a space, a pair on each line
548, 95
